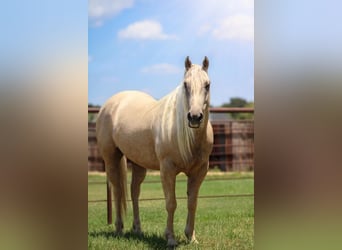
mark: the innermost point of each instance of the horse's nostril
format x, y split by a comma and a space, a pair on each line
195, 118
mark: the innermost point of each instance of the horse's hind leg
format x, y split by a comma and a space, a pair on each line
115, 163
138, 176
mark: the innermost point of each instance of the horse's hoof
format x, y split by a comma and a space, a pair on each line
137, 231
118, 233
193, 241
171, 243
119, 228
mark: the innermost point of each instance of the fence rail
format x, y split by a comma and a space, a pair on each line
184, 198
185, 180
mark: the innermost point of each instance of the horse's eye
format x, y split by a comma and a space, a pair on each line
207, 87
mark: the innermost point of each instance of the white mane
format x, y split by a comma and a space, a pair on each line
173, 119
185, 135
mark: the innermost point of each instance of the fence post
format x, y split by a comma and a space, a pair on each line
109, 204
228, 134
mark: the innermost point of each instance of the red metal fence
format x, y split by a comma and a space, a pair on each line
233, 148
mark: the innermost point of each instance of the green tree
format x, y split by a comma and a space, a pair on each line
237, 102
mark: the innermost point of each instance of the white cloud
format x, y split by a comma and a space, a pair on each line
244, 4
145, 30
222, 19
162, 68
236, 27
100, 10
222, 7
204, 29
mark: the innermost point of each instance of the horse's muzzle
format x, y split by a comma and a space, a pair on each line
195, 120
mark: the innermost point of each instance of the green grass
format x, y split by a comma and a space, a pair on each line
221, 223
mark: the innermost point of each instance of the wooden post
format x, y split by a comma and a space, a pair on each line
109, 204
228, 133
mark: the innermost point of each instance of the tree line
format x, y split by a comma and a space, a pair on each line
237, 102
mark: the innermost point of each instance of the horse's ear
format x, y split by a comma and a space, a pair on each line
187, 63
205, 64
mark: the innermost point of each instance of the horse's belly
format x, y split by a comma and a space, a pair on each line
139, 151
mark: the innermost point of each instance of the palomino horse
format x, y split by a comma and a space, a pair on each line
172, 135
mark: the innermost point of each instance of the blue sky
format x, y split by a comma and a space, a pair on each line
142, 45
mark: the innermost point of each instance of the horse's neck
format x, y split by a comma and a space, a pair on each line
171, 122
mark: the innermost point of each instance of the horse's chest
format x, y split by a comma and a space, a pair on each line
198, 158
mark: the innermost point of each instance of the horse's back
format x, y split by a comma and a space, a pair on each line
125, 104
127, 98
129, 107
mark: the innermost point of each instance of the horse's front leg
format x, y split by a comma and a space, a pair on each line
138, 176
195, 180
168, 178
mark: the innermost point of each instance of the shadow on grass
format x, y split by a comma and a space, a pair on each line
153, 241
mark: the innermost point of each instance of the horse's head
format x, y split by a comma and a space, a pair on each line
197, 87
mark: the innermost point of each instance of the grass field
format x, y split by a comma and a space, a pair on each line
221, 223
